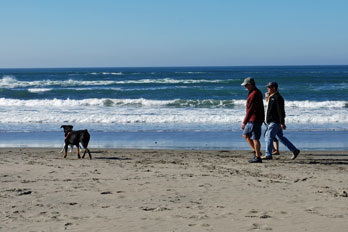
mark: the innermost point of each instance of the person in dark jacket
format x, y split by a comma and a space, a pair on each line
254, 118
275, 150
275, 120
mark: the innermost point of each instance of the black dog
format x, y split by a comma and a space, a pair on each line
74, 138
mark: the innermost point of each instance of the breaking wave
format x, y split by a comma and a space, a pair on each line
178, 103
11, 82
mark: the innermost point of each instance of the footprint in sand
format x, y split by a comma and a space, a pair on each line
67, 225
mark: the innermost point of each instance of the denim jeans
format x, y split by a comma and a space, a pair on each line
274, 129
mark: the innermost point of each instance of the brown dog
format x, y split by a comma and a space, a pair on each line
75, 138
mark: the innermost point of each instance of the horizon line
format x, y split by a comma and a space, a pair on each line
176, 66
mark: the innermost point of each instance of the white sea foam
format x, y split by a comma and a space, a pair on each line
107, 73
11, 82
169, 81
316, 104
7, 80
112, 73
209, 103
145, 112
39, 90
85, 102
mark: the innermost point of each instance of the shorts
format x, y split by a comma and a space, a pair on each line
253, 130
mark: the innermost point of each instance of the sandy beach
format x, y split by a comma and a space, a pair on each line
172, 190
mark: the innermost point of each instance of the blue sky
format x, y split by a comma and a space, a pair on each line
106, 33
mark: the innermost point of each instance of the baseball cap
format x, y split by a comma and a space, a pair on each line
248, 81
272, 84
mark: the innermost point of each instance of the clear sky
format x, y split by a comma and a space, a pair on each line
115, 33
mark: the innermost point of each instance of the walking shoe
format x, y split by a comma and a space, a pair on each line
265, 157
255, 160
295, 154
275, 153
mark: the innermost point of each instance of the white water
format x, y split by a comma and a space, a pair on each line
9, 81
143, 114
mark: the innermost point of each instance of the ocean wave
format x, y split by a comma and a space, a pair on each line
11, 82
141, 102
7, 80
107, 73
168, 113
59, 112
39, 90
207, 103
93, 102
316, 104
190, 72
175, 103
326, 87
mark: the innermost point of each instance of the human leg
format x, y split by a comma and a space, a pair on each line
284, 140
255, 136
247, 134
257, 147
269, 137
275, 150
250, 142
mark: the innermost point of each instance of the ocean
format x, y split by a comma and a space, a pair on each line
168, 107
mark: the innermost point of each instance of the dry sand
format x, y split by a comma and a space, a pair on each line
166, 190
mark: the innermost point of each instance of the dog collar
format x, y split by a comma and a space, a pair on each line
66, 137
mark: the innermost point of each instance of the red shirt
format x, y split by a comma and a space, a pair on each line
255, 111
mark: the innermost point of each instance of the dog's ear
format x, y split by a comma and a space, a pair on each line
67, 126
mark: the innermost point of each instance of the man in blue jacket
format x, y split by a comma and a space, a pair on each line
275, 120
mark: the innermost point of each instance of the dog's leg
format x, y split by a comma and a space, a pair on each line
80, 147
71, 148
62, 148
89, 153
65, 150
84, 153
78, 152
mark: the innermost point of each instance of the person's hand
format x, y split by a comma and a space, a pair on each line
283, 126
243, 126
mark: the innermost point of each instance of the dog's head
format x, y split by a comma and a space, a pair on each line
67, 128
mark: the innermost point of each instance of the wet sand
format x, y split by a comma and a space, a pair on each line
172, 190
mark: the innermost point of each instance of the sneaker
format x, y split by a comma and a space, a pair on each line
295, 154
265, 157
255, 160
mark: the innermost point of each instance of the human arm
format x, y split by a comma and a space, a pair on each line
250, 108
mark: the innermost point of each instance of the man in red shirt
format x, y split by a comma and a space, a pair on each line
255, 116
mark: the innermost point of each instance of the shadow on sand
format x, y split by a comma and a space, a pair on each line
111, 158
324, 159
